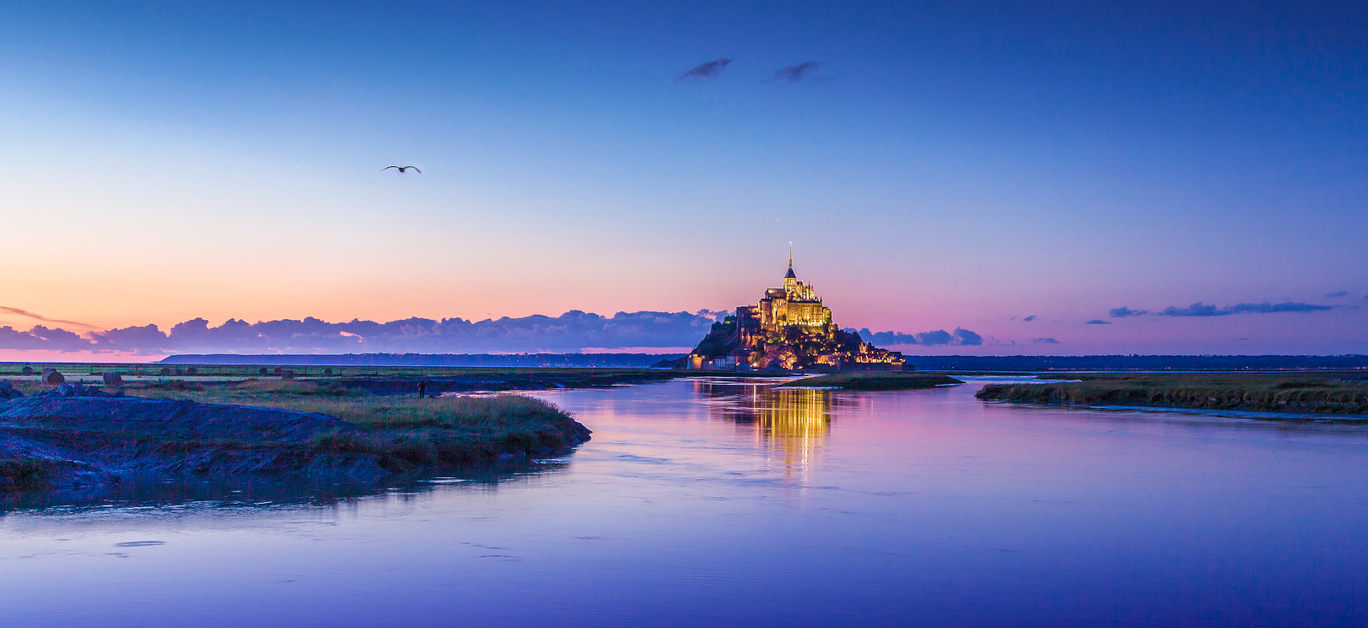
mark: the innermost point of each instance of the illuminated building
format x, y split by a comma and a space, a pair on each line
788, 328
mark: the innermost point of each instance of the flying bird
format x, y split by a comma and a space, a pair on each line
401, 169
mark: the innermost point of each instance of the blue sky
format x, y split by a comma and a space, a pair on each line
946, 165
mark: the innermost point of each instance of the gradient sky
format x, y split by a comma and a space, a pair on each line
947, 165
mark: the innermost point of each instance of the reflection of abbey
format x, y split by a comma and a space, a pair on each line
789, 328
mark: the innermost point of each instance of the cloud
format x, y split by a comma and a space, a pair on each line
966, 337
1200, 309
570, 332
938, 337
11, 338
40, 317
1097, 321
1336, 295
145, 339
1271, 308
1045, 341
717, 315
1123, 312
796, 73
711, 69
1203, 309
1028, 319
1196, 309
59, 339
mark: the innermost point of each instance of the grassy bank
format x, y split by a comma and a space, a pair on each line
1334, 393
406, 431
877, 380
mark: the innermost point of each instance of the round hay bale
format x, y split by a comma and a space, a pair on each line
287, 374
52, 378
113, 379
261, 371
327, 371
192, 371
164, 371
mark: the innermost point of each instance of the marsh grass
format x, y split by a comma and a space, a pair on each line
1301, 393
405, 431
243, 392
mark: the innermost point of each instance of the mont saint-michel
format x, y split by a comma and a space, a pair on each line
789, 328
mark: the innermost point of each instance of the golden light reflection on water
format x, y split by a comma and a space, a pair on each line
790, 422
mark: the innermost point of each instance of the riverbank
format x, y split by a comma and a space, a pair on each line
79, 440
1331, 393
876, 380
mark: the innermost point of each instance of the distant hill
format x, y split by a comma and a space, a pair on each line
548, 360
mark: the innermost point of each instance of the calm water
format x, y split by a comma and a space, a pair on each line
707, 503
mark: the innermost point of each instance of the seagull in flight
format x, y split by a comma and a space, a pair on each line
401, 169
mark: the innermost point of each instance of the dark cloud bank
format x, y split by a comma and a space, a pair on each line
1202, 309
939, 337
711, 69
571, 332
796, 73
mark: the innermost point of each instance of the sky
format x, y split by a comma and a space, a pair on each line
1031, 175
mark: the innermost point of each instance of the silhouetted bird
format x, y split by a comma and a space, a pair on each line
401, 169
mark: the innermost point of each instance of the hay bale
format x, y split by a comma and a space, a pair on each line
192, 371
113, 379
52, 378
261, 371
28, 370
164, 371
287, 374
327, 371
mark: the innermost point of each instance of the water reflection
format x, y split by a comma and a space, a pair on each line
792, 422
913, 508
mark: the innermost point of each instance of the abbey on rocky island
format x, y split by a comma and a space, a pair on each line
789, 328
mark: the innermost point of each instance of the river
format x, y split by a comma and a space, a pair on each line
732, 503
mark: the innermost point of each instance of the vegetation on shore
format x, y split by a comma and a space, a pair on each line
1336, 393
76, 438
876, 380
406, 431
